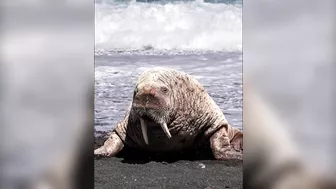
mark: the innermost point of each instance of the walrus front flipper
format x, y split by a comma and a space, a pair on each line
226, 147
111, 146
236, 139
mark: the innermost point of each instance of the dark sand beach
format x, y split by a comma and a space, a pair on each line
194, 169
205, 174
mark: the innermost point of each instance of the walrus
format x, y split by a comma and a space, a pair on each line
272, 159
170, 112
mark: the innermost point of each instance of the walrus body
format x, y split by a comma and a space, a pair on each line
171, 111
272, 159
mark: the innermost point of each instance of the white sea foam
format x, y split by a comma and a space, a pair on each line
186, 26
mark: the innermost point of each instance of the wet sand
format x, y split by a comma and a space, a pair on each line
205, 174
189, 170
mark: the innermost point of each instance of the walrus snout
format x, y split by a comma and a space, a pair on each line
146, 100
149, 97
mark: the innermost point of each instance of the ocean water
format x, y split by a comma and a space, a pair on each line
202, 38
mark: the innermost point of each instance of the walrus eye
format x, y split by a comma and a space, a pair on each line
164, 89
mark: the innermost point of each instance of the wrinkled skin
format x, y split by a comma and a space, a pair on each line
170, 112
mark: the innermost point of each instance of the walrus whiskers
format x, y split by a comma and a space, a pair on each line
145, 133
161, 120
144, 130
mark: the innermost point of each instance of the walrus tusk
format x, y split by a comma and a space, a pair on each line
144, 130
165, 129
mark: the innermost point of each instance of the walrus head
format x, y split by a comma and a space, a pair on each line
152, 100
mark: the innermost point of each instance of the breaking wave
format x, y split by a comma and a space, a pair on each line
175, 25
